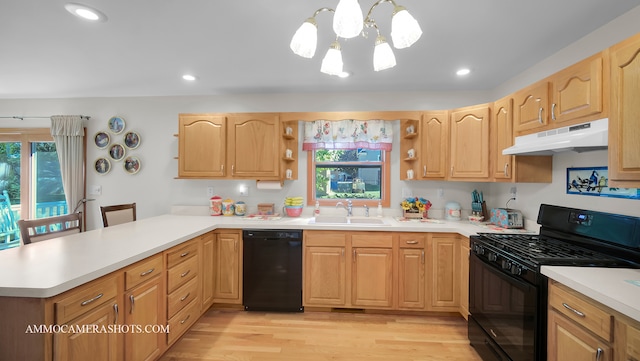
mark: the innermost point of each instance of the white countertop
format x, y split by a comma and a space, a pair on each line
48, 268
616, 288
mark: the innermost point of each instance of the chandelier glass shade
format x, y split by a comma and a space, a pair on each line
349, 22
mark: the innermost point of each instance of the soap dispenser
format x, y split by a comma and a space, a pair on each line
316, 212
379, 211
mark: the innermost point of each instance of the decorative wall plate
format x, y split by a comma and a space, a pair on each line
131, 140
102, 165
131, 165
117, 152
116, 125
102, 139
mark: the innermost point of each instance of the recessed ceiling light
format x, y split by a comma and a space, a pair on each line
344, 74
188, 77
463, 71
85, 12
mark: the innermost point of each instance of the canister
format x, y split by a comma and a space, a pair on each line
240, 208
227, 207
452, 211
215, 205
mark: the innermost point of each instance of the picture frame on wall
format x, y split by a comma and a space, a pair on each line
132, 140
102, 166
594, 181
102, 139
117, 152
131, 165
116, 125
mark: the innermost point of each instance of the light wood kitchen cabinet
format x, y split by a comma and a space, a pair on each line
443, 283
624, 122
253, 145
208, 269
324, 273
228, 267
101, 346
202, 146
579, 328
464, 276
627, 340
95, 303
577, 94
182, 282
144, 307
434, 145
509, 168
470, 143
411, 271
372, 270
531, 108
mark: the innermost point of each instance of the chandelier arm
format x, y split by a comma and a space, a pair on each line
368, 17
321, 10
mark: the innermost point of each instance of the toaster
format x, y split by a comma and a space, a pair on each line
507, 218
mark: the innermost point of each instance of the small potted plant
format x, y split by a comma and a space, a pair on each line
415, 207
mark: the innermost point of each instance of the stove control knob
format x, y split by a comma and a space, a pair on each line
492, 257
516, 269
506, 264
479, 249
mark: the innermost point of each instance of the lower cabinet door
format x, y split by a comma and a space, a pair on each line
144, 309
324, 276
411, 282
372, 277
96, 346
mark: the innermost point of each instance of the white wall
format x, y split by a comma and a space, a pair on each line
155, 118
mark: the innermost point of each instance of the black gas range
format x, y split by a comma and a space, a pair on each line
507, 291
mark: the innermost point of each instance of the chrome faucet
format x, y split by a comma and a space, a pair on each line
348, 207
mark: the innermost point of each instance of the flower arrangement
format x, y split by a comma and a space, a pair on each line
415, 206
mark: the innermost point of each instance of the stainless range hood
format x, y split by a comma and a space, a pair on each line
578, 138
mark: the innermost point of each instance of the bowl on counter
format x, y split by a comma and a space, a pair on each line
293, 211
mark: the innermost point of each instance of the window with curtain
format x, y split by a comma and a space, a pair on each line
348, 159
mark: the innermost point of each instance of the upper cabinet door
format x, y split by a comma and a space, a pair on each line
578, 92
531, 108
434, 143
254, 143
624, 120
470, 143
202, 146
502, 138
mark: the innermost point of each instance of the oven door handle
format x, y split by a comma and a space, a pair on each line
506, 276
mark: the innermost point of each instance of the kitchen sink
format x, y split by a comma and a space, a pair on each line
347, 220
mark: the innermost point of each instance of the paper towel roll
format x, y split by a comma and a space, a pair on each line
269, 184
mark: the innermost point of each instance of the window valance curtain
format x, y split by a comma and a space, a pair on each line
347, 134
68, 133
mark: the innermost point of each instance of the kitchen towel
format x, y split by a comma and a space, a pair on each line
269, 185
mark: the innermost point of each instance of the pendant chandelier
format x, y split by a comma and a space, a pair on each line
349, 22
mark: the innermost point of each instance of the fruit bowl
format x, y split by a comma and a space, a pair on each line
293, 211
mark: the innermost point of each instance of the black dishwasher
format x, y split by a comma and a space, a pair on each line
272, 270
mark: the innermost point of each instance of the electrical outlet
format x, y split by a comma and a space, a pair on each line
95, 190
406, 192
210, 191
513, 191
440, 193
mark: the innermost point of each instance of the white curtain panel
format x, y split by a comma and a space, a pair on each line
68, 134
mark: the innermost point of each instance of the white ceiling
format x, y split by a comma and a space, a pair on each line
241, 46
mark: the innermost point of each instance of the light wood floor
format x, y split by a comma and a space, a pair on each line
256, 336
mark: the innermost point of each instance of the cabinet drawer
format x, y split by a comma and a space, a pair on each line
577, 308
143, 271
84, 299
324, 239
179, 254
180, 274
181, 297
181, 322
411, 241
372, 240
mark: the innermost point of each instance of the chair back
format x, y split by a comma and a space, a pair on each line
117, 214
8, 223
36, 230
